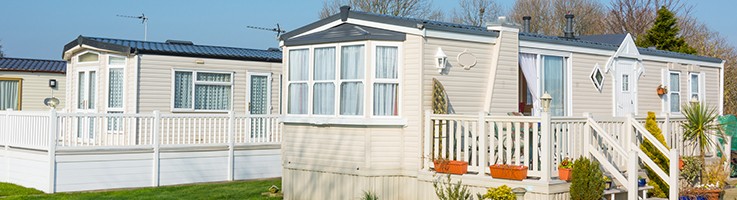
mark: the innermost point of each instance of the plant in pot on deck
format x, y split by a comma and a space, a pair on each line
564, 169
443, 165
588, 180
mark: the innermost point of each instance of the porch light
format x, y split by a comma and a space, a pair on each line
693, 101
51, 102
440, 59
546, 99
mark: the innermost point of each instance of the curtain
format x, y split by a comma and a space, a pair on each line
351, 98
695, 86
297, 98
212, 97
386, 62
528, 64
323, 101
554, 83
80, 90
675, 96
213, 77
259, 87
182, 89
385, 99
9, 94
352, 62
91, 92
115, 93
299, 64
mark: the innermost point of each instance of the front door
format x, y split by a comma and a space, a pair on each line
259, 103
86, 102
626, 87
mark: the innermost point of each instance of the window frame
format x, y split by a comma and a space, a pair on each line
99, 56
20, 89
700, 86
368, 81
671, 91
107, 85
249, 74
567, 87
195, 82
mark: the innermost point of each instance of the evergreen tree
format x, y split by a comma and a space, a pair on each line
661, 188
664, 34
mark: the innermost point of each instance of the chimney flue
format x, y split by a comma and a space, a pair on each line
344, 12
569, 26
526, 23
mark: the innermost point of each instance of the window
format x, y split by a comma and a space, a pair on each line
10, 90
597, 77
331, 80
115, 83
554, 82
674, 93
88, 57
625, 83
202, 90
695, 90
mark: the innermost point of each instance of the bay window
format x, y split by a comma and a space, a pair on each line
341, 80
202, 90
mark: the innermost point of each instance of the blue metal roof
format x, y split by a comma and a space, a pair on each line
32, 65
179, 49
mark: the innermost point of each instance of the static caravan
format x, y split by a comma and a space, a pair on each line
25, 83
370, 100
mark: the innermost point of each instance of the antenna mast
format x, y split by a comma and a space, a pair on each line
144, 20
278, 29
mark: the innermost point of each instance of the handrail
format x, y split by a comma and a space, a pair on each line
606, 136
654, 166
622, 180
653, 140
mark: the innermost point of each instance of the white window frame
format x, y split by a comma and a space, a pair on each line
598, 86
86, 70
107, 84
397, 81
700, 93
367, 118
249, 87
99, 56
568, 83
195, 82
671, 91
625, 82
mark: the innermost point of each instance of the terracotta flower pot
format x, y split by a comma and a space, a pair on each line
452, 166
564, 173
680, 163
514, 172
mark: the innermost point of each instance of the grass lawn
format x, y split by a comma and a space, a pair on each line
230, 190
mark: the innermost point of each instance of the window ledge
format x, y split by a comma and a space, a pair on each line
345, 121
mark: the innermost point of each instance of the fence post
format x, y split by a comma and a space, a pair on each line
52, 151
156, 145
632, 174
427, 135
546, 147
674, 174
482, 144
629, 131
231, 157
6, 138
587, 134
666, 131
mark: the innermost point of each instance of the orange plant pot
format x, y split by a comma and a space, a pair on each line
453, 167
564, 173
514, 172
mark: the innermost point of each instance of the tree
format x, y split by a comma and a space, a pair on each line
636, 16
589, 15
660, 187
1, 49
422, 9
476, 12
587, 180
701, 123
664, 34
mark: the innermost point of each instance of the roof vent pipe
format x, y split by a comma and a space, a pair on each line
569, 26
526, 23
344, 13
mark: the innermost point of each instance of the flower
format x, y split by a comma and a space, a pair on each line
566, 163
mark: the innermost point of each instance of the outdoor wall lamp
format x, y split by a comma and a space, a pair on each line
440, 60
546, 99
52, 83
51, 102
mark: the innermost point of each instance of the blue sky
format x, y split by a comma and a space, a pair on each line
39, 29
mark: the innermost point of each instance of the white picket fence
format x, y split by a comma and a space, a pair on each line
31, 129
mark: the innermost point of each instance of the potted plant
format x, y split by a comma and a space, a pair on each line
640, 181
564, 169
514, 172
662, 90
443, 165
608, 183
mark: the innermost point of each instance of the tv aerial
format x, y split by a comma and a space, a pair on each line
144, 20
278, 29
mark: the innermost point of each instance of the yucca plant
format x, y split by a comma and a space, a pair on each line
702, 123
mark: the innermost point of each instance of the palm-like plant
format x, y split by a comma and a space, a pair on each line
702, 123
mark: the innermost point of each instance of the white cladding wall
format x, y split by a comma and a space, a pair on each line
35, 88
103, 171
27, 168
585, 96
506, 86
156, 80
648, 97
412, 107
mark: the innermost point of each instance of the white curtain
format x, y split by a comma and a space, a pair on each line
297, 98
528, 64
115, 88
554, 83
182, 89
9, 94
299, 64
386, 62
259, 87
324, 91
212, 97
352, 68
385, 94
91, 94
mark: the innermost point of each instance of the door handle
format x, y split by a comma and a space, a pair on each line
249, 106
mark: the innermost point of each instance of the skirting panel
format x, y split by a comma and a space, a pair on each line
85, 172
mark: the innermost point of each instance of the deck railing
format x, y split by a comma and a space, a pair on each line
31, 129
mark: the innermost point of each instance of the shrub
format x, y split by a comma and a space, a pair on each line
447, 191
588, 180
715, 175
691, 171
369, 195
501, 193
660, 187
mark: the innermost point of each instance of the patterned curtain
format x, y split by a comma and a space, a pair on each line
259, 95
80, 90
115, 95
352, 68
182, 89
212, 97
91, 94
9, 94
324, 97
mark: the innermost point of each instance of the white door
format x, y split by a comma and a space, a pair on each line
626, 87
86, 102
259, 103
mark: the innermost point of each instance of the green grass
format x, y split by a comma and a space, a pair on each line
231, 190
8, 189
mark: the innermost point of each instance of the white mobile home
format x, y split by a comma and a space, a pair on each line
359, 90
25, 83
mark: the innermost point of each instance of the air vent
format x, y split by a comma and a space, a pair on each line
179, 42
